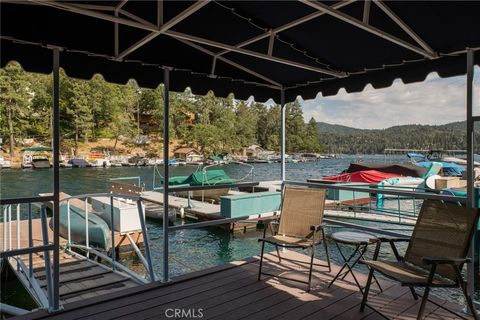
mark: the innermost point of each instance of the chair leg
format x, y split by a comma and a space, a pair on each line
261, 261
326, 250
278, 254
311, 269
468, 298
423, 303
414, 293
366, 290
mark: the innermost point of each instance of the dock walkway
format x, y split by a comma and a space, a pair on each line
79, 278
233, 292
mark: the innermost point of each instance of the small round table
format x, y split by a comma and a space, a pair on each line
361, 240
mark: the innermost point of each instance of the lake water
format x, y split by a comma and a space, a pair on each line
190, 249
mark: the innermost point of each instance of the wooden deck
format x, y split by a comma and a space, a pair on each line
233, 292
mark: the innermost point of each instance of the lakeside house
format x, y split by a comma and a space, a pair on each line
188, 154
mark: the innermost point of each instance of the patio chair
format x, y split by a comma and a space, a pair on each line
435, 255
301, 226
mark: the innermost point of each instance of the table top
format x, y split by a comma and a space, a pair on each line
354, 237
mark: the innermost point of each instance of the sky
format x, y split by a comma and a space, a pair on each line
434, 101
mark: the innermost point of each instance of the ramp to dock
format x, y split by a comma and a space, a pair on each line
80, 278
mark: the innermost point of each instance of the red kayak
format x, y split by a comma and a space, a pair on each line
367, 176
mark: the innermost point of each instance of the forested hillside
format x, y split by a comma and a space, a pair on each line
341, 139
96, 109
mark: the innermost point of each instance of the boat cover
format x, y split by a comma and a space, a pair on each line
399, 169
367, 176
199, 178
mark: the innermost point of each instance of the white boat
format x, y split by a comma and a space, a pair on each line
100, 163
65, 165
4, 164
115, 164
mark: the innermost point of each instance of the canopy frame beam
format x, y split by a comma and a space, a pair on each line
275, 84
179, 35
165, 26
367, 27
389, 12
287, 26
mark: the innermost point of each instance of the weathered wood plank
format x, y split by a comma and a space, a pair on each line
234, 293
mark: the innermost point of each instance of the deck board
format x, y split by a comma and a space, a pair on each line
233, 292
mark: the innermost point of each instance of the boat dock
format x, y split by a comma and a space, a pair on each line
232, 291
194, 209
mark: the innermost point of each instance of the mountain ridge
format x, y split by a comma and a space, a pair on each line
348, 140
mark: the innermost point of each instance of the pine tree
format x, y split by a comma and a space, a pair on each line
15, 99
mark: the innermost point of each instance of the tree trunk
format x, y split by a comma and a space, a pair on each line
76, 140
11, 132
85, 135
115, 145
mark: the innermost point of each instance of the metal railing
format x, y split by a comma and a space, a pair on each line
15, 212
12, 252
111, 259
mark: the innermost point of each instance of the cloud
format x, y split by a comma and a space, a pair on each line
434, 101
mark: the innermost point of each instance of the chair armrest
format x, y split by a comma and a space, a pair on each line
445, 260
393, 239
317, 227
270, 224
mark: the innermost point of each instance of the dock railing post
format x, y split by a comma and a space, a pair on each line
56, 178
30, 241
48, 269
166, 141
87, 238
470, 165
148, 255
69, 235
282, 134
112, 229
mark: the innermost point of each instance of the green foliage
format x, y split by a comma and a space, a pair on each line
97, 109
15, 102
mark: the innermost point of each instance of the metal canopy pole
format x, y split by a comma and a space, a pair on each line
470, 162
166, 141
56, 178
282, 133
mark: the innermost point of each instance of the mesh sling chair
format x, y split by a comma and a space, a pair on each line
301, 226
435, 255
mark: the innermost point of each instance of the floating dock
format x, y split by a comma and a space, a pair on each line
197, 210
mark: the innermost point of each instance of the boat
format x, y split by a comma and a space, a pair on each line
79, 163
202, 178
448, 168
37, 153
65, 165
364, 176
98, 231
400, 169
138, 161
5, 164
100, 163
40, 161
116, 164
